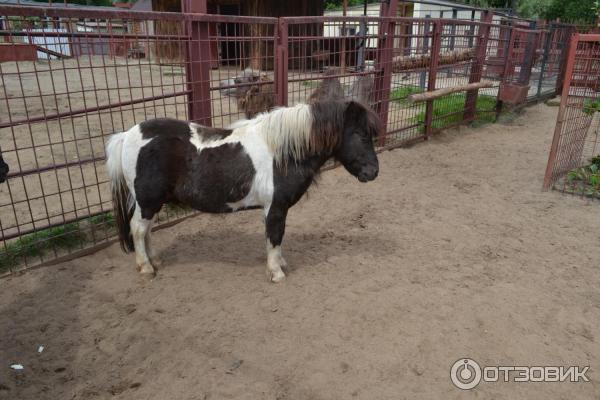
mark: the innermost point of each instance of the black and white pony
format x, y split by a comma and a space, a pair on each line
267, 162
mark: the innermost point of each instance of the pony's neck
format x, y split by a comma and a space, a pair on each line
297, 133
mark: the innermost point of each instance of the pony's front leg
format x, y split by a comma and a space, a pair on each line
140, 228
275, 227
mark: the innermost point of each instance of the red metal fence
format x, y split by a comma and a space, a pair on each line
574, 162
96, 72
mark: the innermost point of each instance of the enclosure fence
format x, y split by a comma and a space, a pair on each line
574, 162
70, 77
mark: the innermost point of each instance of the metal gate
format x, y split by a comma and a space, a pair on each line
573, 163
104, 70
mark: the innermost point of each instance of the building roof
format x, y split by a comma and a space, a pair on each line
58, 4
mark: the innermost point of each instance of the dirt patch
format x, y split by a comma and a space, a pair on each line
452, 252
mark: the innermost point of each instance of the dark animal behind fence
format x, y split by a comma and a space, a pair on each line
267, 162
330, 88
3, 169
362, 89
254, 92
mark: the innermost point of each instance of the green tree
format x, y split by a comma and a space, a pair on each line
533, 8
578, 11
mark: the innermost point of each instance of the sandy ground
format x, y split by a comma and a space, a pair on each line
452, 252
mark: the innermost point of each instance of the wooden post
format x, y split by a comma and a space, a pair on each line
436, 44
383, 66
437, 93
198, 65
477, 65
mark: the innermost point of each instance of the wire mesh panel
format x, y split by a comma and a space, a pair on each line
520, 57
68, 81
412, 43
463, 47
574, 161
239, 56
331, 58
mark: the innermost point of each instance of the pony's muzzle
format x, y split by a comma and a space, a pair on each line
368, 173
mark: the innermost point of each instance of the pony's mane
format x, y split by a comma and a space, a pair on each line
295, 133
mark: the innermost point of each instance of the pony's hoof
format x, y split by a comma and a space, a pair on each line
157, 262
276, 276
146, 271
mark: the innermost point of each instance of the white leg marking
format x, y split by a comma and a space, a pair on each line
154, 258
274, 263
139, 229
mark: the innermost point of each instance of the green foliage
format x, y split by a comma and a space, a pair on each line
448, 110
337, 4
586, 179
591, 106
106, 220
400, 95
36, 244
533, 8
577, 11
310, 84
106, 3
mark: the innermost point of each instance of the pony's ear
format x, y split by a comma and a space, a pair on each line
358, 111
374, 123
353, 107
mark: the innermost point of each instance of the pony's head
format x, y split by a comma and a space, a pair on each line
344, 130
351, 138
357, 151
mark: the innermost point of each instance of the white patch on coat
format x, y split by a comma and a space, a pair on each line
132, 144
274, 263
285, 130
261, 191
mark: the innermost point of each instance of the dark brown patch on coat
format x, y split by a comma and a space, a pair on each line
165, 127
208, 134
170, 169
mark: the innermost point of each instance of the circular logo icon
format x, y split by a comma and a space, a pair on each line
465, 373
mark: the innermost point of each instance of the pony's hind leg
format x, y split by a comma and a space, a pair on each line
140, 228
154, 258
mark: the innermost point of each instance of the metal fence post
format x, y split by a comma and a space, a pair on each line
527, 66
569, 67
281, 64
198, 64
384, 64
425, 49
566, 42
436, 44
549, 35
477, 65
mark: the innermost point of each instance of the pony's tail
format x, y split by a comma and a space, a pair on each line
123, 201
